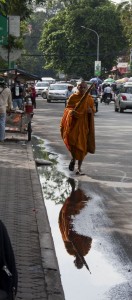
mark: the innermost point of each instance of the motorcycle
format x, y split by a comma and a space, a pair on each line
107, 98
95, 102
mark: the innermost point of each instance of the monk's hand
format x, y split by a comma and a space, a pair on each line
89, 110
73, 113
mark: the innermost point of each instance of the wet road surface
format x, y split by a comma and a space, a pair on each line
83, 231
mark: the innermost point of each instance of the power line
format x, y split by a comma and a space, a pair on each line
73, 55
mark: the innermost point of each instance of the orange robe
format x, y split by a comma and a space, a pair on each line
74, 242
78, 131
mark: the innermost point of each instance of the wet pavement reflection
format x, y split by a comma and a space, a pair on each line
89, 268
76, 244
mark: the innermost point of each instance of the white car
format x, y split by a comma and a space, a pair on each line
123, 99
57, 91
40, 87
49, 79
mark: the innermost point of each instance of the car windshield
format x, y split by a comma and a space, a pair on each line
42, 84
126, 90
58, 87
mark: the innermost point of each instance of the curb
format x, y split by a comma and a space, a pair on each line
50, 266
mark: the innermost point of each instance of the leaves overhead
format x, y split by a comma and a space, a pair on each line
64, 44
125, 11
70, 48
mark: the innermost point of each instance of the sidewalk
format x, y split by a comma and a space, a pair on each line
24, 214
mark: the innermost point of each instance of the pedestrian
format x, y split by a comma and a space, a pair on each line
5, 105
77, 125
76, 244
17, 95
8, 270
68, 93
32, 93
94, 93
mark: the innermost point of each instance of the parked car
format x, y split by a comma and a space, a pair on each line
57, 91
41, 86
123, 99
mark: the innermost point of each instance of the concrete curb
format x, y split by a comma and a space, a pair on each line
48, 256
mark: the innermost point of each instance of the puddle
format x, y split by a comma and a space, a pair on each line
88, 266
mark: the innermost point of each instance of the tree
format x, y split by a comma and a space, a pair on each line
26, 9
125, 11
22, 8
33, 59
69, 48
2, 5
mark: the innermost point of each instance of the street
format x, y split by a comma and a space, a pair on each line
108, 182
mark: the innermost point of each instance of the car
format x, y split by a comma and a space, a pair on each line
57, 91
95, 96
123, 99
48, 79
41, 87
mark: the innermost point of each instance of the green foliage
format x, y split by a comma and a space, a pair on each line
2, 5
3, 64
125, 11
69, 48
14, 42
32, 59
14, 7
53, 41
58, 41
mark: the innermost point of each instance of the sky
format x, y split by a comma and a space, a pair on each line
117, 1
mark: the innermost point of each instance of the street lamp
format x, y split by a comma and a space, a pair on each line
97, 40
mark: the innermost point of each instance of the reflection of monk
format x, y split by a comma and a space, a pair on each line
76, 244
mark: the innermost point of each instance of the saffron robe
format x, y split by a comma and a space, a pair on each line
77, 130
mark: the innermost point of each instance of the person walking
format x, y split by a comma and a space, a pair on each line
94, 93
77, 125
8, 270
32, 93
17, 95
5, 105
68, 93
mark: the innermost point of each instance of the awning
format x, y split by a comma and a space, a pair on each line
19, 74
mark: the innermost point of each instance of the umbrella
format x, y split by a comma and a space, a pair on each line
122, 80
109, 80
96, 80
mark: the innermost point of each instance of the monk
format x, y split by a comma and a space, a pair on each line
77, 126
76, 244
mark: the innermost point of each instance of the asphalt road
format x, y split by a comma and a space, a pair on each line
108, 172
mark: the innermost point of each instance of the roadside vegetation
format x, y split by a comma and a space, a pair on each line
53, 40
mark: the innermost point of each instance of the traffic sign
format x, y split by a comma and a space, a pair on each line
14, 25
12, 55
3, 30
97, 68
